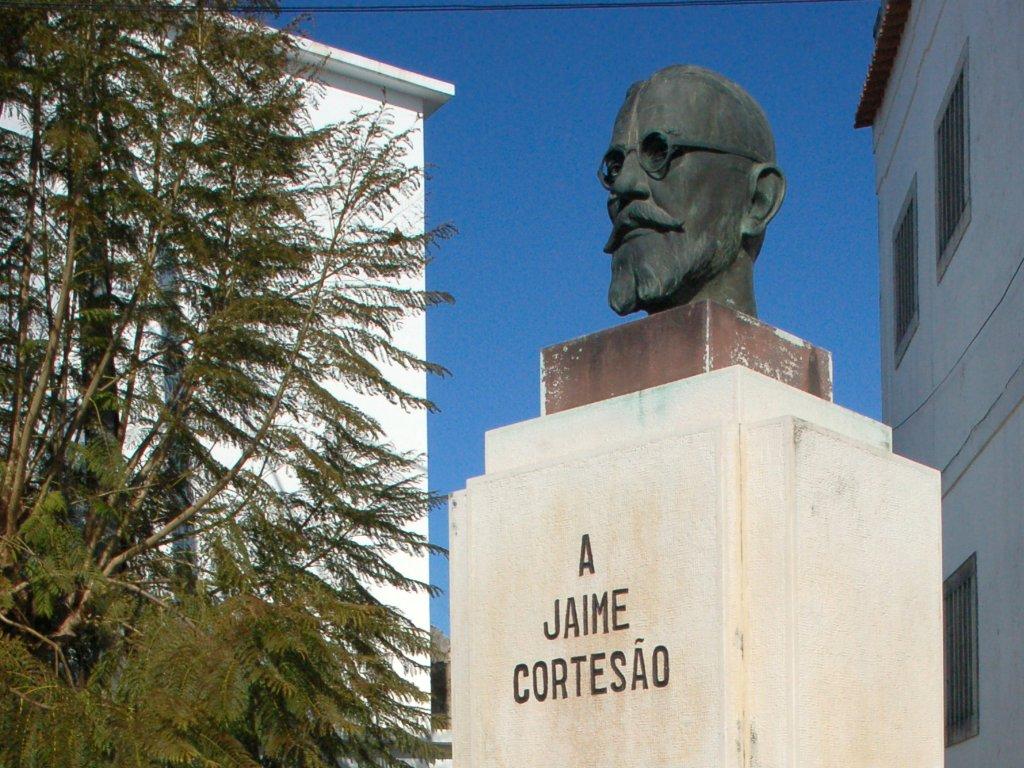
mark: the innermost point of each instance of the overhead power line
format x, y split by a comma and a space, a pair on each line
569, 5
963, 353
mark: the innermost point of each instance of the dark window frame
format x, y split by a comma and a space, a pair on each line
960, 652
947, 242
901, 237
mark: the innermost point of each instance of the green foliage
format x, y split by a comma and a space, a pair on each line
198, 293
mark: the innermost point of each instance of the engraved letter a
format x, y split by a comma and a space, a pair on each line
586, 555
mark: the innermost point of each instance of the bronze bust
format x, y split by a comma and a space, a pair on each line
692, 185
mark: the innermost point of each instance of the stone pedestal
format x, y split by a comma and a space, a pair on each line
672, 345
722, 571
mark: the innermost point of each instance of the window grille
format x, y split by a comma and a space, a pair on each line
952, 193
904, 251
960, 593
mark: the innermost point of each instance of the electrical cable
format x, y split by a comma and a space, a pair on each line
565, 5
966, 349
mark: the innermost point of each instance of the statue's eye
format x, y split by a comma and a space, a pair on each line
654, 151
611, 166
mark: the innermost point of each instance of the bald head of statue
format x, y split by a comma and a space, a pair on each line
692, 184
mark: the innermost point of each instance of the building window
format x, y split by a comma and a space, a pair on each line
952, 184
904, 273
960, 593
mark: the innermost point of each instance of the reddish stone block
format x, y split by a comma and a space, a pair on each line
673, 345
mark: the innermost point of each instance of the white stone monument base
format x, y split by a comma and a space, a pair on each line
745, 576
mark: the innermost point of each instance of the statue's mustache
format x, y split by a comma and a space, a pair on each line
640, 215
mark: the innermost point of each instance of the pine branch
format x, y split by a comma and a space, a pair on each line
255, 443
14, 476
23, 307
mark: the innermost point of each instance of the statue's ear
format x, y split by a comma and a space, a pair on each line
767, 189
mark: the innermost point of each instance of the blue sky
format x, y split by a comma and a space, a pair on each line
514, 156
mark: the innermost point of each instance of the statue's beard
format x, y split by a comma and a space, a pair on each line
666, 269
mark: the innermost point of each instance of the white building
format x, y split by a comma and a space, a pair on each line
945, 98
355, 84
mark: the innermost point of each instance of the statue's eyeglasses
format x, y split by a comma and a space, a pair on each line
654, 153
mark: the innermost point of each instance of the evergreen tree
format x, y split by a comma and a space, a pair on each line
185, 266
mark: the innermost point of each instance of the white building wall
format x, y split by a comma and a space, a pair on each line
352, 84
954, 398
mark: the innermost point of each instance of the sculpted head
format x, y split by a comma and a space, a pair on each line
692, 185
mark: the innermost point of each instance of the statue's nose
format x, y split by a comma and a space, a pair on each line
631, 183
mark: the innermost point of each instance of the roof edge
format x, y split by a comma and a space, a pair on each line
887, 46
434, 93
